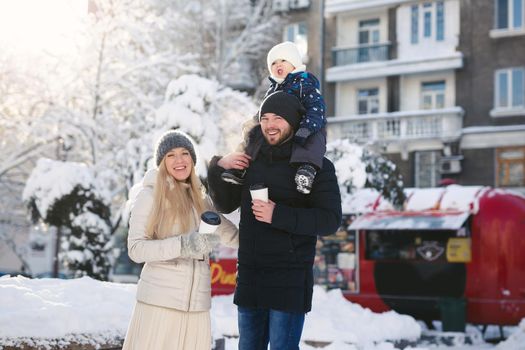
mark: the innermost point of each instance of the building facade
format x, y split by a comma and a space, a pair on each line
436, 86
304, 26
491, 91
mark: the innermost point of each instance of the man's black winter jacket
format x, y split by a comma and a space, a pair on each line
275, 260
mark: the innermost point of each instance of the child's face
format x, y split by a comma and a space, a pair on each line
281, 68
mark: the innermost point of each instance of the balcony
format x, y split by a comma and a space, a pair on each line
361, 54
438, 124
389, 67
338, 6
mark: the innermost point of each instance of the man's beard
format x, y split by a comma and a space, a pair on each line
283, 137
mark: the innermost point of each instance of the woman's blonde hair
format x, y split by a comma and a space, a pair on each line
175, 203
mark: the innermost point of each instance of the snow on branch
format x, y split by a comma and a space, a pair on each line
357, 168
51, 180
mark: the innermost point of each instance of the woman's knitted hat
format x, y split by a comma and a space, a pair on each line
173, 139
287, 51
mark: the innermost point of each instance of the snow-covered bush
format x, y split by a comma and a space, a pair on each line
357, 167
66, 195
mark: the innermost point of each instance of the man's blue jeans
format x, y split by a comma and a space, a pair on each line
258, 326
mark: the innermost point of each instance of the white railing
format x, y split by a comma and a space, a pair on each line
361, 54
444, 124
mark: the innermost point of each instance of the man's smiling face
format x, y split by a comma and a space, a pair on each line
275, 128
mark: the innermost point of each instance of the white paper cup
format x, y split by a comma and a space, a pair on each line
209, 222
207, 228
259, 192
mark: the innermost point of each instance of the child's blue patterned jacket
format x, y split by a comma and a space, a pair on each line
305, 86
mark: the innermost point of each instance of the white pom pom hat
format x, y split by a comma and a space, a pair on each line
287, 51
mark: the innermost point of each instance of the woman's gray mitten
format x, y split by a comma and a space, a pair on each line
212, 240
196, 244
191, 245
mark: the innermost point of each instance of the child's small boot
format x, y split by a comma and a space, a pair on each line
233, 176
304, 178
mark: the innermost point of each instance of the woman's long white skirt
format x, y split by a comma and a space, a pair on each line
159, 328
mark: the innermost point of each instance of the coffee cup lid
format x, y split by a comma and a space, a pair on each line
211, 218
258, 186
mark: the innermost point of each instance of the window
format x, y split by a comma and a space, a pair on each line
426, 169
408, 245
440, 21
298, 34
368, 101
433, 95
510, 88
432, 22
509, 14
368, 38
427, 20
369, 31
414, 24
511, 166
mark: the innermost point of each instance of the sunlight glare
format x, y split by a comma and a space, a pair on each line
35, 25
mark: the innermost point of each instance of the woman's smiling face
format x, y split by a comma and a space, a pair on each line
179, 163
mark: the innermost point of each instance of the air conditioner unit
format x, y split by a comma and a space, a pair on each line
450, 165
280, 5
299, 4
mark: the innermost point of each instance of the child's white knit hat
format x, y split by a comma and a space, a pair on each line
287, 51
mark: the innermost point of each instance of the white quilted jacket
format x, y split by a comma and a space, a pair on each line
167, 279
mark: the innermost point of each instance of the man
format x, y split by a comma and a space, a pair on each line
278, 237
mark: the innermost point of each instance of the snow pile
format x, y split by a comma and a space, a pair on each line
423, 198
86, 311
453, 198
49, 309
463, 198
336, 319
516, 341
332, 319
361, 201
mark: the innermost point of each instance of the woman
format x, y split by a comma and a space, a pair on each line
174, 290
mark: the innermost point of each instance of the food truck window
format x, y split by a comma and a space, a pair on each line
424, 245
336, 260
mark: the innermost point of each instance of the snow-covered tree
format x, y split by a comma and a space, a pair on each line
382, 175
23, 98
66, 195
357, 167
209, 112
94, 101
231, 37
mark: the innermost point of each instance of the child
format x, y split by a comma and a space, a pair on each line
287, 73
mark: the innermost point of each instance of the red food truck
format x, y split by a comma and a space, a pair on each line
458, 245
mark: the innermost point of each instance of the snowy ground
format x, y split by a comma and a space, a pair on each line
40, 311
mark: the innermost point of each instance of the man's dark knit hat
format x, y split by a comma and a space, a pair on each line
285, 105
173, 139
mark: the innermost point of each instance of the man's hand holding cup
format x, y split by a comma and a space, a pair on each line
262, 207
